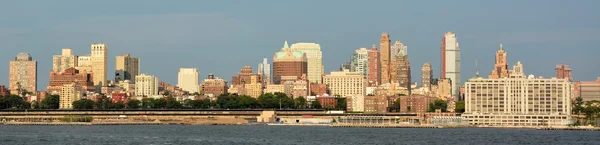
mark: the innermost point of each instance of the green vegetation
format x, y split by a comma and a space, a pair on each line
460, 107
341, 103
316, 104
134, 104
50, 102
13, 102
438, 104
83, 104
395, 107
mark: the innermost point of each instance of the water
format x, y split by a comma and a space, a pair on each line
297, 135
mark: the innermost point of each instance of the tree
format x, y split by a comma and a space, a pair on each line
459, 107
118, 105
103, 103
341, 103
13, 102
134, 104
300, 103
438, 104
408, 108
83, 104
396, 106
172, 103
148, 103
159, 103
166, 93
50, 102
316, 104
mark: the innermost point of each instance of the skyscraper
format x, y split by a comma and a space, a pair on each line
384, 45
146, 85
373, 73
64, 61
264, 69
314, 58
84, 63
288, 63
400, 66
426, 76
126, 68
360, 61
99, 58
500, 67
188, 80
68, 94
451, 62
22, 74
563, 71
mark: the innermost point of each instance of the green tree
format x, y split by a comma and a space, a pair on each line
438, 104
395, 107
316, 104
300, 103
167, 93
459, 107
118, 105
160, 103
247, 102
268, 101
83, 104
148, 103
409, 108
50, 102
103, 103
13, 102
172, 103
134, 104
341, 103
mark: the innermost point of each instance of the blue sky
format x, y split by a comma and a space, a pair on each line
221, 37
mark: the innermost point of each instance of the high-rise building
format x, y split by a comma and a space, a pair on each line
373, 65
501, 67
68, 94
360, 61
126, 68
426, 76
188, 80
588, 90
451, 62
264, 69
518, 100
400, 66
22, 74
68, 76
288, 63
84, 63
64, 61
345, 83
314, 60
245, 77
563, 71
146, 85
385, 55
214, 86
99, 58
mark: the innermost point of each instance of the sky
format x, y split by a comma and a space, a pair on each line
221, 37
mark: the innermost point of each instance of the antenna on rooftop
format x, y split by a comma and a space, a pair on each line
476, 67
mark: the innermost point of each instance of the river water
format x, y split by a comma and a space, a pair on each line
279, 135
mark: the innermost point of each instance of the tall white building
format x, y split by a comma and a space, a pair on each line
64, 61
451, 62
146, 85
188, 80
518, 101
315, 60
99, 59
68, 94
264, 69
84, 63
345, 83
360, 61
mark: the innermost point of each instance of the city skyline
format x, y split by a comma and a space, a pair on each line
527, 38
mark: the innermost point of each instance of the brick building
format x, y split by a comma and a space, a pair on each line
288, 63
68, 76
119, 97
416, 103
214, 86
327, 101
3, 90
376, 104
245, 76
318, 89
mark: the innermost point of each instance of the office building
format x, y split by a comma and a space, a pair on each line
126, 68
400, 66
22, 74
563, 71
360, 61
501, 67
384, 57
314, 60
451, 62
426, 76
84, 63
345, 83
64, 61
146, 85
245, 77
288, 63
376, 104
69, 76
588, 90
214, 86
99, 61
188, 80
373, 72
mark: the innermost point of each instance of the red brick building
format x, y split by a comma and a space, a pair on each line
327, 101
4, 91
214, 86
288, 63
119, 97
416, 103
318, 89
563, 71
70, 75
376, 104
373, 74
244, 77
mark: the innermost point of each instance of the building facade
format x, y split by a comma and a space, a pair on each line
360, 61
373, 72
22, 74
264, 69
188, 80
288, 63
146, 85
318, 89
314, 60
214, 86
415, 103
385, 55
518, 100
501, 66
400, 66
563, 71
426, 76
4, 91
451, 62
376, 104
588, 90
69, 76
245, 77
345, 83
99, 59
64, 61
68, 94
126, 67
